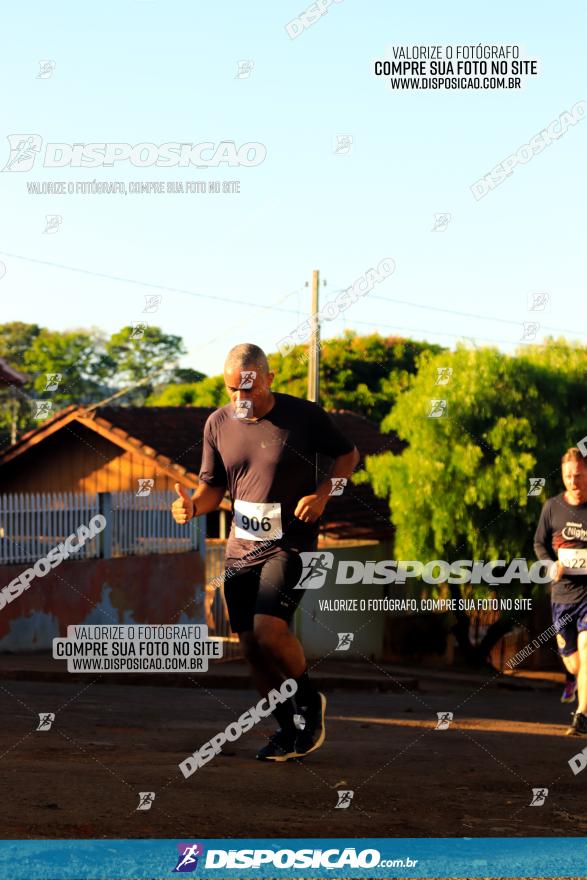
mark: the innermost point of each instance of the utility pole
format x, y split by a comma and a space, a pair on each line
313, 394
314, 345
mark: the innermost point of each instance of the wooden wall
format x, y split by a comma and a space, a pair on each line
76, 459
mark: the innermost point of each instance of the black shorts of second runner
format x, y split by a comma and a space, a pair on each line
267, 588
566, 637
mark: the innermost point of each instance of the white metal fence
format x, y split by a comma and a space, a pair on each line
31, 524
143, 525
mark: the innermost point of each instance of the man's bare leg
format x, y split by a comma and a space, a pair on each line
572, 663
577, 664
280, 645
287, 654
266, 675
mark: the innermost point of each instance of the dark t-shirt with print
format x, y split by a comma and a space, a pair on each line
563, 526
269, 462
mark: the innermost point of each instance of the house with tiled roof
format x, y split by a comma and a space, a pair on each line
109, 449
101, 456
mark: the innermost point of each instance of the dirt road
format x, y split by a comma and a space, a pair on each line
82, 777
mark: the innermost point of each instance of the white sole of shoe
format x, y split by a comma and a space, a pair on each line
281, 759
322, 736
290, 756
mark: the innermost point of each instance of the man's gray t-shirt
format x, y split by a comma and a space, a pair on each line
268, 465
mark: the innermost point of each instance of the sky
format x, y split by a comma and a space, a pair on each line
233, 267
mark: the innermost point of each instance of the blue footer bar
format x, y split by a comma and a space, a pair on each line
299, 857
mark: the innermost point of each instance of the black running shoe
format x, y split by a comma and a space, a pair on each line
280, 747
314, 733
578, 725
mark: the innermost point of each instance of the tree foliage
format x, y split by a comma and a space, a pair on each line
359, 373
462, 483
207, 392
78, 357
15, 339
460, 488
86, 366
137, 356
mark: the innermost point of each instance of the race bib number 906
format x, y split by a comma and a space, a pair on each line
257, 522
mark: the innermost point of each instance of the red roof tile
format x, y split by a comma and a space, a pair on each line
173, 431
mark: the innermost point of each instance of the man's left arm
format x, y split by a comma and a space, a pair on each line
310, 507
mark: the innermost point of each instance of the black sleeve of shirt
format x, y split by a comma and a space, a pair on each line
212, 470
543, 536
329, 440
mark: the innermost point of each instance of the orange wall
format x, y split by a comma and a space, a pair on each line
134, 589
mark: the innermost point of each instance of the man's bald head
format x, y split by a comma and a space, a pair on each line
246, 356
242, 360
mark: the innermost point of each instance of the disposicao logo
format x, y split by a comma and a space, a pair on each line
187, 860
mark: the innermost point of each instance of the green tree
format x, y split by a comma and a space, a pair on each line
460, 488
87, 367
185, 375
142, 352
360, 373
15, 338
208, 392
78, 357
180, 377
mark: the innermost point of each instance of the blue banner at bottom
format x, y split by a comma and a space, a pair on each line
531, 857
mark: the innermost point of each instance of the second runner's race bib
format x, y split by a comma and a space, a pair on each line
257, 522
574, 559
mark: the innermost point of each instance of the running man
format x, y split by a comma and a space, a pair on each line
561, 536
261, 447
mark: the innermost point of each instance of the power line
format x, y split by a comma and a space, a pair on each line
239, 302
414, 305
276, 308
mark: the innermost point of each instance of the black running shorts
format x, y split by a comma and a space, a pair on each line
267, 588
